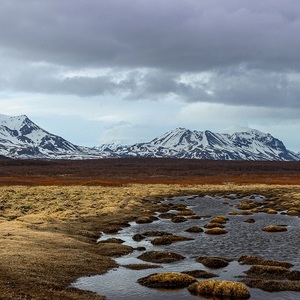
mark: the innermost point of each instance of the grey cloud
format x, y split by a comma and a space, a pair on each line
249, 47
170, 34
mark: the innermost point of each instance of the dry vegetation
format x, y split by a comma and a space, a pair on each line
51, 212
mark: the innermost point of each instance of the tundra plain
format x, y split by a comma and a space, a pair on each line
52, 212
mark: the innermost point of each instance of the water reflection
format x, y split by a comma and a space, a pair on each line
242, 238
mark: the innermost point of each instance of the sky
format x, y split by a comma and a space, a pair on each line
126, 71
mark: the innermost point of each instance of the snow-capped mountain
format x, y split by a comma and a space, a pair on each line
21, 138
184, 143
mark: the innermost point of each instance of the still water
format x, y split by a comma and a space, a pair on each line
242, 238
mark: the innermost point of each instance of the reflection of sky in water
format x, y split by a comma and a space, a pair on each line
242, 238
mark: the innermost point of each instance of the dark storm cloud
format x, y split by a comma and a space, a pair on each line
167, 37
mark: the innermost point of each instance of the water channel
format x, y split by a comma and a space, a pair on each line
242, 238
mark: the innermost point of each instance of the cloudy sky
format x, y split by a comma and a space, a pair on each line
97, 71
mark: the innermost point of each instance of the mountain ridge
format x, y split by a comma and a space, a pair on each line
22, 139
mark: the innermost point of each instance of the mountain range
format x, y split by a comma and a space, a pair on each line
20, 138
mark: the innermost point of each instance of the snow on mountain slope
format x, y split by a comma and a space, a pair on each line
21, 138
184, 143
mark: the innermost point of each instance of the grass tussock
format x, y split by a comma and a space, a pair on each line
258, 260
274, 228
169, 239
273, 285
216, 231
223, 289
214, 262
160, 256
167, 280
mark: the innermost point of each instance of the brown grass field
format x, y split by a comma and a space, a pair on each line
51, 212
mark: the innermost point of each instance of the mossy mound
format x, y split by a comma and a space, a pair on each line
271, 211
114, 249
273, 285
220, 289
167, 280
247, 204
267, 272
274, 228
200, 274
213, 262
167, 215
138, 237
293, 212
250, 220
219, 219
213, 225
141, 236
258, 260
156, 233
160, 256
194, 229
169, 239
216, 231
141, 266
233, 213
186, 212
113, 241
145, 220
272, 272
178, 219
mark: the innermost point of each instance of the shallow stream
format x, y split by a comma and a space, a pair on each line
242, 238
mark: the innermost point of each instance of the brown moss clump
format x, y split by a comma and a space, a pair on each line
274, 228
155, 233
293, 212
167, 280
219, 219
216, 231
186, 212
293, 275
112, 241
271, 211
167, 215
246, 213
247, 204
138, 237
214, 262
160, 256
267, 272
178, 219
200, 274
250, 220
233, 213
144, 220
169, 239
257, 260
141, 266
222, 289
213, 225
273, 285
194, 229
114, 249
